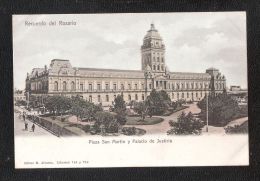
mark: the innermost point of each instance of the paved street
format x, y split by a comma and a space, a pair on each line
19, 128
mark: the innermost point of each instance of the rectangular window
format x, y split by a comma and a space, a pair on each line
107, 98
90, 86
150, 86
107, 86
98, 86
122, 86
136, 97
135, 86
129, 86
81, 87
114, 86
142, 86
99, 98
142, 97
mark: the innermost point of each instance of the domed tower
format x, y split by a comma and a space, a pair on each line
153, 50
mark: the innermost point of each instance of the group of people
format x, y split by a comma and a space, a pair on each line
26, 123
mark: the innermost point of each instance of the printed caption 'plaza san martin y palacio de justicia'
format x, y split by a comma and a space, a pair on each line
103, 85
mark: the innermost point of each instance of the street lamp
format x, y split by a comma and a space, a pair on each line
207, 113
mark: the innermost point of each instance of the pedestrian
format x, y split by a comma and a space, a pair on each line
33, 127
23, 117
26, 125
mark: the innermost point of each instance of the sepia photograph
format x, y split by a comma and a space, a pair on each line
130, 89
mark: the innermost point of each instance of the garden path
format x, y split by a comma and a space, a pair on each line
163, 127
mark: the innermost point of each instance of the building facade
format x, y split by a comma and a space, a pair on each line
103, 85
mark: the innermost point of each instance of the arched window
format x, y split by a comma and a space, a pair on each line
143, 97
90, 98
158, 67
136, 97
64, 86
129, 97
73, 86
56, 86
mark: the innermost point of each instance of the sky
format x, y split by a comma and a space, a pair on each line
193, 41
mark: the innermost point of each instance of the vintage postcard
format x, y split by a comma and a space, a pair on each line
130, 90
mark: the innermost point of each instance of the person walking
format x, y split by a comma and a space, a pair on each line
26, 125
23, 116
33, 127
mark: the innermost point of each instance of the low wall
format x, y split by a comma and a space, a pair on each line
58, 130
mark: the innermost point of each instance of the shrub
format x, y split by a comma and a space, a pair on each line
86, 128
237, 129
107, 121
186, 125
129, 130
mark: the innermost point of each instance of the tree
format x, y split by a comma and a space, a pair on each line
157, 102
84, 109
221, 109
186, 125
106, 121
141, 108
58, 104
120, 109
20, 103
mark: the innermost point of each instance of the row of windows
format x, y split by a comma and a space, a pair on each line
188, 95
129, 86
189, 86
90, 86
129, 98
158, 59
158, 67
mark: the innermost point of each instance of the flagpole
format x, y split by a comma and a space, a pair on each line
207, 113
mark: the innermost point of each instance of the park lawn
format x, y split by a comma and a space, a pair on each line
136, 120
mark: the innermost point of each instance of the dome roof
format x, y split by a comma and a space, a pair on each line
152, 33
212, 68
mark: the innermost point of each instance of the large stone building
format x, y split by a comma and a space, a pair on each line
102, 85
